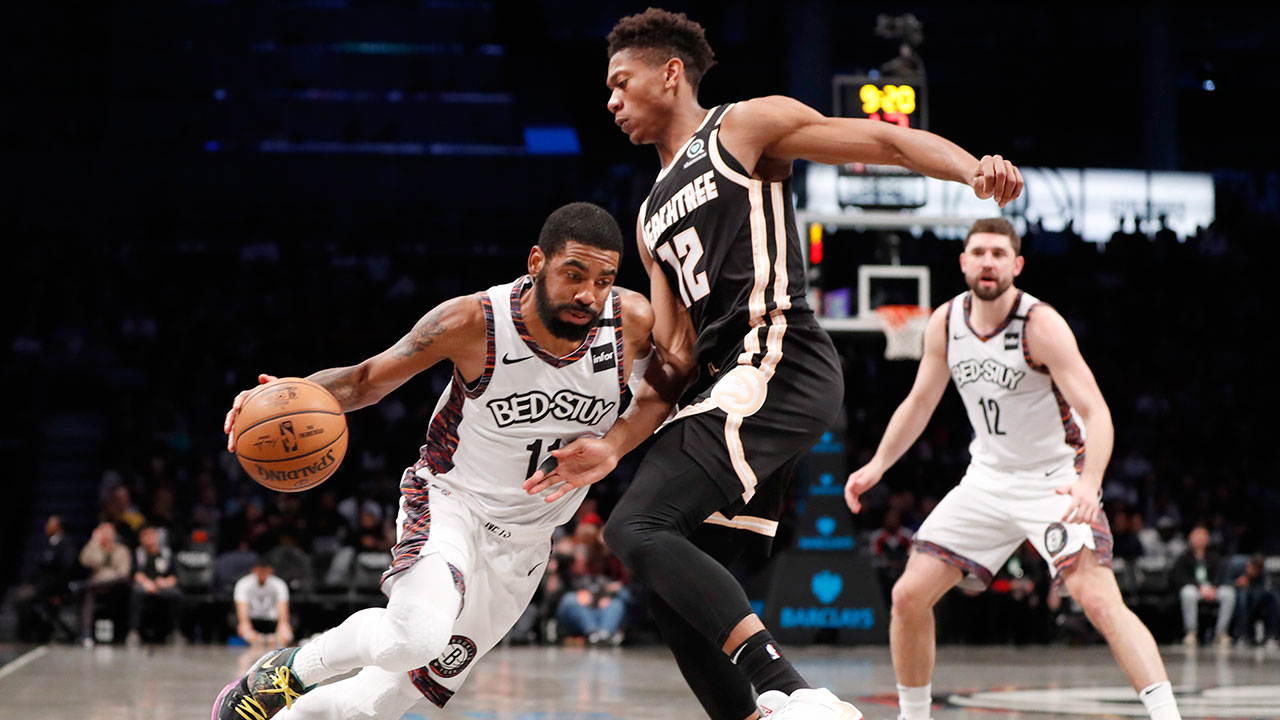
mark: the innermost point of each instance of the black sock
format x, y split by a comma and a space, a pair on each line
759, 659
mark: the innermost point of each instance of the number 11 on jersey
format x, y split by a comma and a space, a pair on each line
684, 260
535, 454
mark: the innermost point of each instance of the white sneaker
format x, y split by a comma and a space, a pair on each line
816, 704
770, 702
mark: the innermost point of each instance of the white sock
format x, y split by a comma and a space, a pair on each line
915, 703
308, 663
1158, 699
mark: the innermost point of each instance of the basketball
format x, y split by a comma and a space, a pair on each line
290, 435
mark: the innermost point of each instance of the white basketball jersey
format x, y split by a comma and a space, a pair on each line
1021, 422
485, 440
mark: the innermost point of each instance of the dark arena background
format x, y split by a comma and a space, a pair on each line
199, 191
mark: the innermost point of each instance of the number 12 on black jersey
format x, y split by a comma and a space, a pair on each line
684, 259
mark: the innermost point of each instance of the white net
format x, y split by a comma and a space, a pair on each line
904, 327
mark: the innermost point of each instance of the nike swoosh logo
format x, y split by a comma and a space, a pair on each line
1050, 472
506, 359
958, 337
535, 567
267, 665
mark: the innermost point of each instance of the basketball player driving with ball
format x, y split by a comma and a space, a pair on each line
537, 362
1042, 439
756, 378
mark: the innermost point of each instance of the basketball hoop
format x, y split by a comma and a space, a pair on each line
904, 330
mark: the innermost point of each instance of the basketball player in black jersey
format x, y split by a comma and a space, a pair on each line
756, 379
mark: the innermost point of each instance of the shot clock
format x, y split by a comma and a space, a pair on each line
901, 100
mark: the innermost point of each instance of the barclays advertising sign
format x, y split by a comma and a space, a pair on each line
831, 596
827, 586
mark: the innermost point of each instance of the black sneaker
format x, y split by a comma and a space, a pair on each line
267, 688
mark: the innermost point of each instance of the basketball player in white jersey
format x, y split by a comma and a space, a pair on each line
1042, 439
537, 363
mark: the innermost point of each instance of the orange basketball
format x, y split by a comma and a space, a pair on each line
290, 434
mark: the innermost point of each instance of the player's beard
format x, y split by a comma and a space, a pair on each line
550, 313
989, 294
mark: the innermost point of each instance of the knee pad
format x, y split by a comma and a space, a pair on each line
381, 694
409, 636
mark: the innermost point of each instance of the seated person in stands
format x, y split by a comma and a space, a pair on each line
155, 586
1199, 574
262, 606
595, 604
1256, 602
39, 601
107, 561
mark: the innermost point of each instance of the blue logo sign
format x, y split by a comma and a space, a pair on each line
826, 486
826, 586
826, 539
828, 444
826, 525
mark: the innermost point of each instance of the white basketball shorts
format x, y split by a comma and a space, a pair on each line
496, 568
980, 523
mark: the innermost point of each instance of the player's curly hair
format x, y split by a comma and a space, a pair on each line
668, 34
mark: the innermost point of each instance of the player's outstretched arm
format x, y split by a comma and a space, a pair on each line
776, 130
455, 330
913, 413
1051, 343
448, 331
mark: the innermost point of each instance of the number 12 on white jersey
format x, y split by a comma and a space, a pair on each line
693, 282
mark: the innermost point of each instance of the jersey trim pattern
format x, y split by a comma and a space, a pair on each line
1073, 435
967, 566
680, 153
430, 689
758, 525
620, 357
517, 318
476, 390
1026, 349
417, 524
442, 436
1013, 315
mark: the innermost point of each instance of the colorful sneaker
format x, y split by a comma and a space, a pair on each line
816, 704
267, 688
770, 701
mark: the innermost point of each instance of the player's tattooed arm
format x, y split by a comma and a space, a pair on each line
423, 334
454, 330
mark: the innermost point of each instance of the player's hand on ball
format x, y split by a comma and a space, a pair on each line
1085, 506
996, 178
860, 481
229, 424
580, 463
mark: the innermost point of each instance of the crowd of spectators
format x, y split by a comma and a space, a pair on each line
1166, 323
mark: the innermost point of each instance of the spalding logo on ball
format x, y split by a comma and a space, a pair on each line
290, 434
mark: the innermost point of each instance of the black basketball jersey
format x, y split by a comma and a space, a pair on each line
728, 246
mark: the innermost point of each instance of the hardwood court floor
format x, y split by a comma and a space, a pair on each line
562, 683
